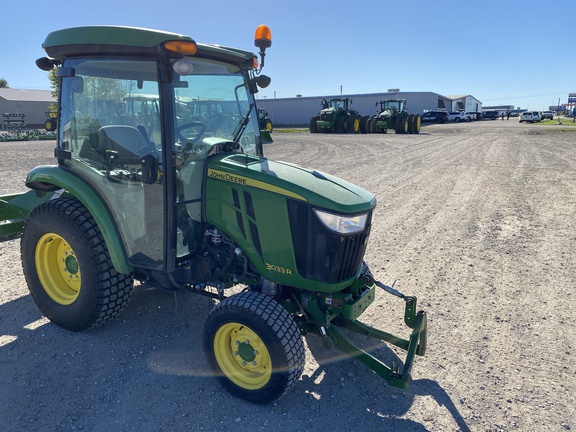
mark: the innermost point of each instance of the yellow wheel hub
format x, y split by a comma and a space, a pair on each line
242, 356
58, 269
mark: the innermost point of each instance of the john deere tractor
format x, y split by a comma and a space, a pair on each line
182, 203
336, 116
265, 122
393, 115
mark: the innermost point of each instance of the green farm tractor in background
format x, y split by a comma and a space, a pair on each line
265, 122
337, 116
393, 115
146, 189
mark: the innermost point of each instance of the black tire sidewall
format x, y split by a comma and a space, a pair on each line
58, 218
279, 381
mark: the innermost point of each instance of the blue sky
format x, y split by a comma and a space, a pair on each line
501, 52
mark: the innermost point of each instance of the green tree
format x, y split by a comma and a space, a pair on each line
54, 82
4, 83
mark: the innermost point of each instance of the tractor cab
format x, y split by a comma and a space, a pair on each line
332, 105
391, 107
139, 129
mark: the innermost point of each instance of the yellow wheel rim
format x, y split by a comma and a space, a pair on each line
57, 269
242, 356
269, 127
356, 125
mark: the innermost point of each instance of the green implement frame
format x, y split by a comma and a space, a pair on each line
333, 334
14, 210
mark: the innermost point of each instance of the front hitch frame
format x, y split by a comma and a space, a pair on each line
331, 330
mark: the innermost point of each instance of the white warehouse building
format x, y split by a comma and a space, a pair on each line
297, 111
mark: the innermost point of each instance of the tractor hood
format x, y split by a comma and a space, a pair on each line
317, 188
328, 110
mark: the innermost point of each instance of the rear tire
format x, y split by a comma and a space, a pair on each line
410, 120
363, 124
50, 125
402, 127
416, 123
68, 268
352, 124
254, 347
369, 125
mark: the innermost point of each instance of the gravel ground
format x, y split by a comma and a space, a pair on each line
477, 220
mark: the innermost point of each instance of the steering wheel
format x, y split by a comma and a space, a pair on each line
200, 128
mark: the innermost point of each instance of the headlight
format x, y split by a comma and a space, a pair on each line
343, 224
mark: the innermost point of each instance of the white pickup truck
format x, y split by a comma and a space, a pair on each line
457, 116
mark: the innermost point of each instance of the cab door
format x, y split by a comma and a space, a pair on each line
109, 146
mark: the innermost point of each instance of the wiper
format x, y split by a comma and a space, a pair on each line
239, 130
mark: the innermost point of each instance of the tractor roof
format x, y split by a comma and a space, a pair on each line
112, 40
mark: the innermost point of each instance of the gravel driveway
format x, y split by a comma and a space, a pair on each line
477, 220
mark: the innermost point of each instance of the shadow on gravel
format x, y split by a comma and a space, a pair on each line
339, 376
145, 371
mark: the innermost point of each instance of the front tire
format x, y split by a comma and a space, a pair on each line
340, 126
68, 268
268, 126
312, 124
254, 347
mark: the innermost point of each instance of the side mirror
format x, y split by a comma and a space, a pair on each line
46, 64
149, 169
263, 81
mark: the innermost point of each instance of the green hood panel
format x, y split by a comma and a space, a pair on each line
317, 188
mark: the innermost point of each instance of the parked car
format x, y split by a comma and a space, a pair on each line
471, 115
530, 117
490, 115
547, 115
457, 116
434, 117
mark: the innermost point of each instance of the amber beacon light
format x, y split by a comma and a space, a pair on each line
263, 37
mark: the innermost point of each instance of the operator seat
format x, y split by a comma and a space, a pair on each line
128, 142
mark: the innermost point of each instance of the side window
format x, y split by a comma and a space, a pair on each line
110, 125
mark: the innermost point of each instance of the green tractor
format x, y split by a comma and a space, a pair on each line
265, 122
393, 115
197, 207
336, 116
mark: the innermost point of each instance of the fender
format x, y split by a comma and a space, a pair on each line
49, 178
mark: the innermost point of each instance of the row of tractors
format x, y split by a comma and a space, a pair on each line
337, 116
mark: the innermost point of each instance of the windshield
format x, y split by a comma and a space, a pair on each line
392, 105
337, 103
213, 105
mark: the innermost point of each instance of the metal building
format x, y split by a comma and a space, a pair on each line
32, 104
297, 111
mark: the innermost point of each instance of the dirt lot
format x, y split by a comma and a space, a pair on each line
477, 220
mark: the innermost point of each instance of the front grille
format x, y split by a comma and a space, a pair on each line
326, 116
322, 254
